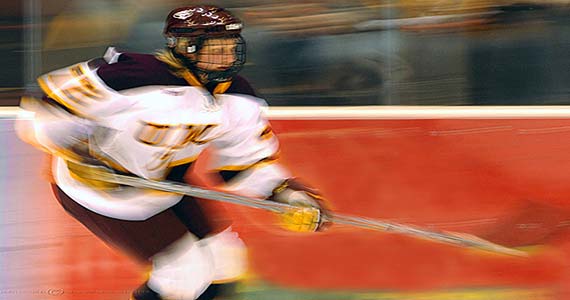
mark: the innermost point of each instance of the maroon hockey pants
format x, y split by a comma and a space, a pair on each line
141, 239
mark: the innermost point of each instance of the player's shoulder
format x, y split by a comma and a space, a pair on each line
127, 70
77, 88
240, 108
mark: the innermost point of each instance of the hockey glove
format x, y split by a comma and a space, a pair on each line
309, 212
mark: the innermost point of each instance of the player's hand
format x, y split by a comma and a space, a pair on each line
309, 211
301, 219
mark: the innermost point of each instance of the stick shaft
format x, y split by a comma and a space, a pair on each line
458, 239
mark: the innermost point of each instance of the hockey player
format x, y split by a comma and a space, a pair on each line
151, 116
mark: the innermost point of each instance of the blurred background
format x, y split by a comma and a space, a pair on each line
501, 179
319, 52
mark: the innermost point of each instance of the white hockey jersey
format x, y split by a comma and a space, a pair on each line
148, 130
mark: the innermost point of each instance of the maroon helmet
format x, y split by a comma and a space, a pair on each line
187, 30
194, 21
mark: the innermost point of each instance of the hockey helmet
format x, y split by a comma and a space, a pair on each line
207, 40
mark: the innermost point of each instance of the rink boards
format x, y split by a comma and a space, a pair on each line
500, 173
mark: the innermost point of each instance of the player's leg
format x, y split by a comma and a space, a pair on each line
186, 254
226, 251
208, 253
182, 269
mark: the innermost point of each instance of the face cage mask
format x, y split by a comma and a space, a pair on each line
212, 53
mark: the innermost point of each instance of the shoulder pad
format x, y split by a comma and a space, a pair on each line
77, 87
132, 70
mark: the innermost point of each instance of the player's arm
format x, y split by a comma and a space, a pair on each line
64, 119
247, 158
53, 129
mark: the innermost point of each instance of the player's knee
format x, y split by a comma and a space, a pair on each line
182, 271
229, 255
188, 268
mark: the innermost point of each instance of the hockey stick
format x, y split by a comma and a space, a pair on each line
459, 239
